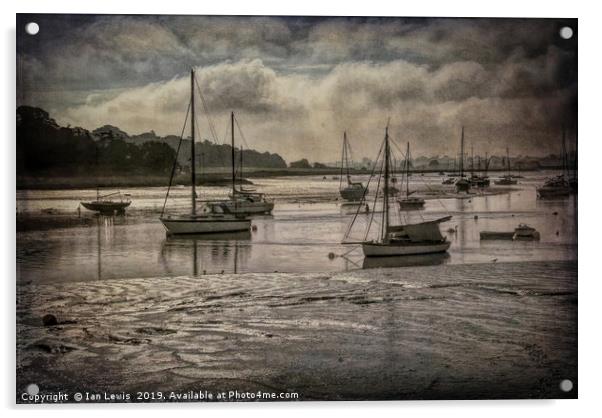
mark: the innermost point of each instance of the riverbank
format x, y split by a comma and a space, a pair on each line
212, 177
119, 181
484, 331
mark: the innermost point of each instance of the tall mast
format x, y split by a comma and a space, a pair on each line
346, 156
386, 194
471, 160
508, 159
408, 171
240, 180
342, 160
192, 158
462, 154
233, 173
486, 162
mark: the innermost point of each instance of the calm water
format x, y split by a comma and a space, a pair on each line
297, 238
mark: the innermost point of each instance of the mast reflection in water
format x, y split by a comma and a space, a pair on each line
229, 250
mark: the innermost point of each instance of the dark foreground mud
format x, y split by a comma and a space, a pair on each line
505, 330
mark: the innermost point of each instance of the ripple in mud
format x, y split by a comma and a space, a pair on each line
155, 331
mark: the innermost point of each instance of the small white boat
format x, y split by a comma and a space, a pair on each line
245, 204
213, 219
241, 201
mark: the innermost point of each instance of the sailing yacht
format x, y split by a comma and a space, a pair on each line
508, 179
559, 186
241, 201
403, 239
409, 202
354, 191
462, 185
211, 219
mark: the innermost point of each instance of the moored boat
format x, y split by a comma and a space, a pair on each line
211, 220
353, 191
409, 202
241, 201
401, 239
107, 206
508, 179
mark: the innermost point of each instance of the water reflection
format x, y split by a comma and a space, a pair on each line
406, 261
297, 238
230, 250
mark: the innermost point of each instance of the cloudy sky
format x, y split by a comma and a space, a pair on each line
297, 83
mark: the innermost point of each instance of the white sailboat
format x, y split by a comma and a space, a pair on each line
403, 239
241, 201
211, 219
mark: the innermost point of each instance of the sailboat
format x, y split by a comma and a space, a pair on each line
409, 202
403, 239
558, 186
213, 218
108, 206
242, 201
508, 179
462, 185
354, 191
476, 180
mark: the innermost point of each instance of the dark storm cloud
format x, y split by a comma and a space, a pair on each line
300, 81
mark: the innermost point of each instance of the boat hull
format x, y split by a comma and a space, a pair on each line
411, 204
248, 208
548, 192
106, 207
504, 182
204, 226
352, 194
372, 249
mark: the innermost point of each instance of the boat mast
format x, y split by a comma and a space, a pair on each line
233, 173
192, 158
471, 160
240, 180
346, 156
462, 154
486, 162
386, 189
508, 159
408, 171
342, 159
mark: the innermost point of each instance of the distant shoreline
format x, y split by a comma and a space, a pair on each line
219, 177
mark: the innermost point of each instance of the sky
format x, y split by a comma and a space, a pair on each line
297, 83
